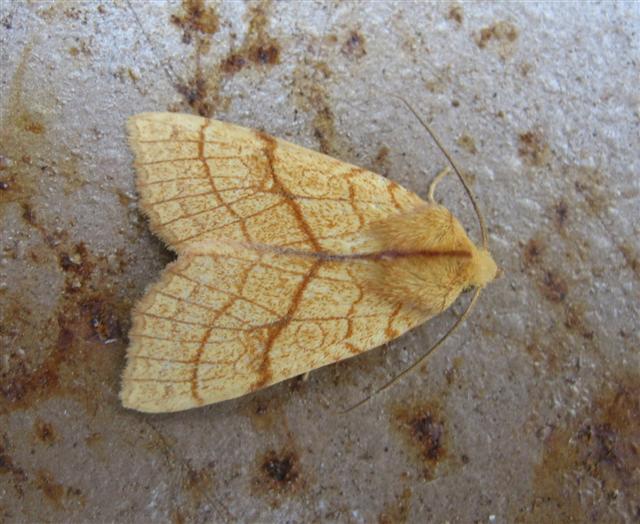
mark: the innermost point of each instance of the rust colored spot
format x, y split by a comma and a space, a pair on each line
502, 31
574, 320
51, 489
354, 46
199, 482
533, 251
423, 428
381, 161
44, 432
452, 373
258, 47
195, 17
21, 383
398, 511
525, 68
553, 287
468, 143
268, 54
178, 517
597, 449
561, 210
199, 23
7, 466
631, 258
533, 148
196, 94
34, 127
455, 14
233, 64
103, 320
78, 266
280, 468
278, 475
28, 215
324, 128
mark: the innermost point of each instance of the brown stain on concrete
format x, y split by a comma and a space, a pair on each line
533, 251
44, 432
196, 17
500, 36
278, 475
381, 162
258, 47
553, 286
354, 47
58, 495
397, 512
85, 314
561, 213
200, 22
467, 143
550, 282
533, 148
599, 448
424, 432
311, 95
456, 14
75, 337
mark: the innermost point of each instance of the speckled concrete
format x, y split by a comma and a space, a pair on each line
530, 413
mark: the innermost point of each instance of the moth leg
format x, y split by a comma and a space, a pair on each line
305, 377
435, 181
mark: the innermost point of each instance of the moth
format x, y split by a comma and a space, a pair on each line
288, 260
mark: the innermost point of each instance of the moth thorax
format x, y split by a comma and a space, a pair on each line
485, 269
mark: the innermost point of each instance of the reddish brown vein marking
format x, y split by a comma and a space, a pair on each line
390, 331
236, 296
264, 371
185, 159
186, 322
168, 180
207, 210
198, 356
177, 361
352, 309
352, 195
391, 187
173, 381
239, 221
269, 150
212, 182
168, 140
210, 308
353, 349
178, 198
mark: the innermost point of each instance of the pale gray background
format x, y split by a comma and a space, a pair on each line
530, 413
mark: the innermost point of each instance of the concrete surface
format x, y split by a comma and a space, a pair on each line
530, 413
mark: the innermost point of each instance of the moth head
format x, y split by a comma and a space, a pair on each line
484, 268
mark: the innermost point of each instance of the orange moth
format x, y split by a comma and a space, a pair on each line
288, 260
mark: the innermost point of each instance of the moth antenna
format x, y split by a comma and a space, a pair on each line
435, 182
435, 346
483, 227
173, 77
